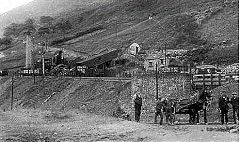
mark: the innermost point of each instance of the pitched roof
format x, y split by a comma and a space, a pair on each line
100, 59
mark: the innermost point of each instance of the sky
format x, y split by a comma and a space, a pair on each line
6, 5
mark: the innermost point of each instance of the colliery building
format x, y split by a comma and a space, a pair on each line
102, 65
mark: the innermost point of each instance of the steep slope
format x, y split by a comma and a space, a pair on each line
88, 95
39, 8
126, 22
91, 96
184, 24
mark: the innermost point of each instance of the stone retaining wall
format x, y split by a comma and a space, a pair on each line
169, 85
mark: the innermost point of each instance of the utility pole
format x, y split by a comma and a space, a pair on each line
156, 81
43, 65
33, 63
12, 91
33, 69
116, 29
179, 3
165, 55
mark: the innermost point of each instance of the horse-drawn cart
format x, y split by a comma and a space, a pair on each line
205, 78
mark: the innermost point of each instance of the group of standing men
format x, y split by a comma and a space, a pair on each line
223, 104
167, 108
163, 107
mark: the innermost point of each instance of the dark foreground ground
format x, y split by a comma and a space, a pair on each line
73, 126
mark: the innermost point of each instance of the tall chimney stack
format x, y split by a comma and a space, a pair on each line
29, 48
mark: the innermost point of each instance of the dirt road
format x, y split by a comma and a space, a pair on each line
46, 126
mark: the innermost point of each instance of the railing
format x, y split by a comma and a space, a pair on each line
209, 79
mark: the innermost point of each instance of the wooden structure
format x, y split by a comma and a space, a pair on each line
101, 65
30, 72
208, 75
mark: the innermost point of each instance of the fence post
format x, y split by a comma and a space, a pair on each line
204, 81
219, 79
211, 81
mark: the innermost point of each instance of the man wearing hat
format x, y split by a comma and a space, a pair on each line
235, 103
159, 110
223, 106
137, 106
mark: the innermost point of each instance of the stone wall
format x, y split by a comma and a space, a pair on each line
169, 85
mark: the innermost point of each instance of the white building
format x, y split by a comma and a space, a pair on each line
153, 58
134, 49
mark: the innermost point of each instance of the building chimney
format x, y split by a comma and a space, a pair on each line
29, 48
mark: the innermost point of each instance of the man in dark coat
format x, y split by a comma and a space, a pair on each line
235, 103
159, 111
137, 106
207, 95
169, 112
204, 100
223, 106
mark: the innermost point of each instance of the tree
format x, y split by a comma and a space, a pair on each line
63, 26
28, 27
47, 21
12, 30
6, 41
44, 32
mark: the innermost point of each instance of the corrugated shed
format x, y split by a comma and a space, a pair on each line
100, 59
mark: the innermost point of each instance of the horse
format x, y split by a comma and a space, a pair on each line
201, 105
193, 109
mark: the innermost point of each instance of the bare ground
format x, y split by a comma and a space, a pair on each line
74, 126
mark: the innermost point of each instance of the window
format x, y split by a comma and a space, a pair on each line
82, 69
161, 61
25, 71
150, 64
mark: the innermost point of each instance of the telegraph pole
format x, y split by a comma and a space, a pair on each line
33, 68
12, 91
165, 55
43, 66
156, 81
179, 3
33, 63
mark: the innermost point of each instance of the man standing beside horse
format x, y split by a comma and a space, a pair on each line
202, 104
159, 110
167, 108
206, 99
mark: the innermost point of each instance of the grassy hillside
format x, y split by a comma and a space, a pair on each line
38, 8
127, 22
185, 25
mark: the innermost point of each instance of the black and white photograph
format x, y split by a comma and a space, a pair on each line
119, 70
